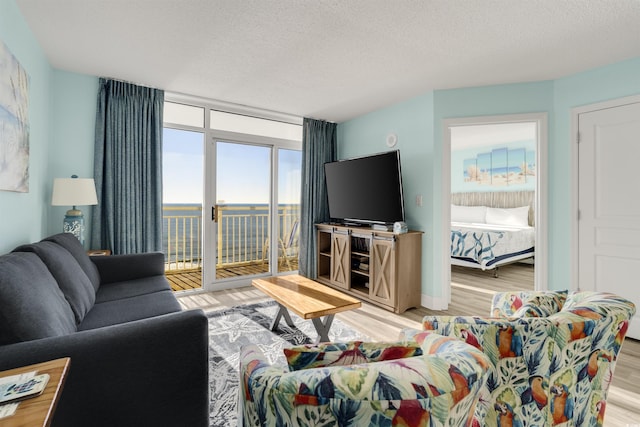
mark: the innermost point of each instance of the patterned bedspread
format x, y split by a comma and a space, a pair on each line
484, 242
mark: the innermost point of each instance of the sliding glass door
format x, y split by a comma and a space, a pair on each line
289, 167
182, 180
253, 225
242, 210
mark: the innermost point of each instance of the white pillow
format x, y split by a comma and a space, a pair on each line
513, 216
475, 214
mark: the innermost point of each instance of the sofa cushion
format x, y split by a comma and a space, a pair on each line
72, 244
595, 305
32, 305
132, 288
74, 283
129, 309
349, 353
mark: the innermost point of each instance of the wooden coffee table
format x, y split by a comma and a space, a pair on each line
306, 298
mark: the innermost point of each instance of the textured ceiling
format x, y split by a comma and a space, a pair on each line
331, 59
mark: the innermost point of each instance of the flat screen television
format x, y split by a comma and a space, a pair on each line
366, 189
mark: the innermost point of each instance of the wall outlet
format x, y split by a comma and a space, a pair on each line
419, 200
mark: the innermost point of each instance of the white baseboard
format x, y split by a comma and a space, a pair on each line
433, 303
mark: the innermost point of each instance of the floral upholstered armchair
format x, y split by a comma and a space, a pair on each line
434, 383
552, 355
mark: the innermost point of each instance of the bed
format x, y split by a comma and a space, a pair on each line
487, 237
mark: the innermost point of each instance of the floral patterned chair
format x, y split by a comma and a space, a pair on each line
434, 383
552, 355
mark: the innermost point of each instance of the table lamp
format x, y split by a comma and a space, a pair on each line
74, 192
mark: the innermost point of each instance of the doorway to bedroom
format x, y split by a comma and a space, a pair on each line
495, 218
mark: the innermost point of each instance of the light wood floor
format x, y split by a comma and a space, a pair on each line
471, 294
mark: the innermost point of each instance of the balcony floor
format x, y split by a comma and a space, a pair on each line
185, 280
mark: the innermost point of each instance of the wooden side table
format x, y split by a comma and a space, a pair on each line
99, 252
38, 411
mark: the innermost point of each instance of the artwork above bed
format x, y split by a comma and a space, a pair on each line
495, 166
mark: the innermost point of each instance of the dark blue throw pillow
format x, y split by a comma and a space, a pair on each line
74, 283
32, 305
71, 243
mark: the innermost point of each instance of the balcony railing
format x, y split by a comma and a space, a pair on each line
182, 234
242, 234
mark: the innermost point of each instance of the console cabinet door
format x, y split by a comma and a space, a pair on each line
383, 271
340, 260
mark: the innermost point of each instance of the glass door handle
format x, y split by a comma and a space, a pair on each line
215, 213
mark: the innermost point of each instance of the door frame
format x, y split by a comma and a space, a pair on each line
209, 282
541, 217
574, 278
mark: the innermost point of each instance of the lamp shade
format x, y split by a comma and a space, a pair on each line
74, 192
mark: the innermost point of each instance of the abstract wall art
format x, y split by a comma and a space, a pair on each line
14, 123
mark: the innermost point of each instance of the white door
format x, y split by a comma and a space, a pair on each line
609, 203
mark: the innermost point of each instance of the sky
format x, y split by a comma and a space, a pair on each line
242, 171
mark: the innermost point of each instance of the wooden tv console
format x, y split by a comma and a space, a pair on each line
379, 267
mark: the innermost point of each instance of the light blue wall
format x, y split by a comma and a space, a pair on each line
23, 215
555, 97
418, 123
73, 123
62, 117
61, 120
589, 87
412, 122
409, 121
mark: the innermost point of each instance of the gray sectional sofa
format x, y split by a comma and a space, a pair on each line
137, 359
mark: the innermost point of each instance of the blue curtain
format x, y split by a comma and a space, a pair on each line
319, 145
128, 168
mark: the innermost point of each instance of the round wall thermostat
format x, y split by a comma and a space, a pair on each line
392, 140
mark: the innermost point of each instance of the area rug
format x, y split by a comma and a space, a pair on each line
230, 329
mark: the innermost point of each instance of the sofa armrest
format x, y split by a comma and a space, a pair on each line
252, 358
118, 268
147, 372
450, 349
252, 362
